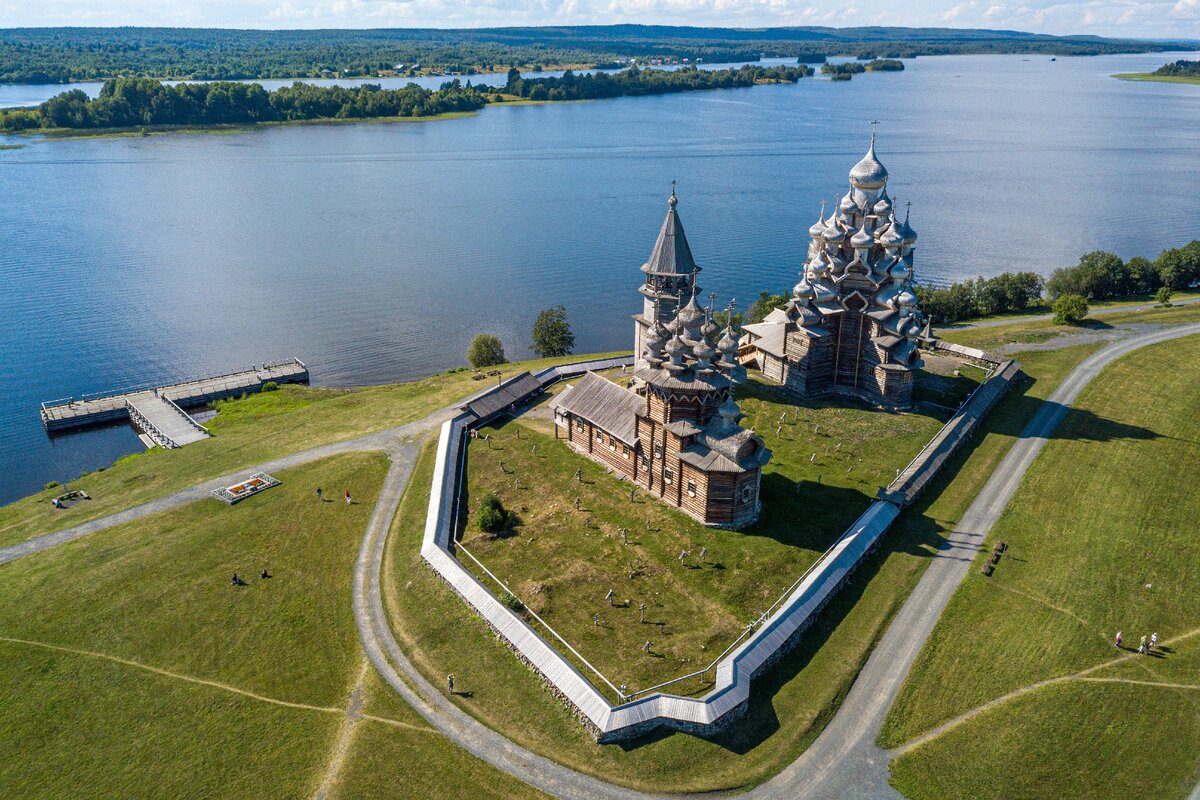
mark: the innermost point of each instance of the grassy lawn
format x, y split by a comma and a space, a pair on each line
1116, 557
247, 432
157, 592
563, 569
789, 705
1099, 741
131, 667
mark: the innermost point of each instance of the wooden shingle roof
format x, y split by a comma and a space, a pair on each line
604, 404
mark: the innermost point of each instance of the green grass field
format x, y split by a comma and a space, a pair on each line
789, 705
131, 667
1101, 539
246, 432
563, 570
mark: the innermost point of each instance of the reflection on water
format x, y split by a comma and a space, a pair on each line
374, 251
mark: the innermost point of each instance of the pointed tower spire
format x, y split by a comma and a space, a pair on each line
671, 254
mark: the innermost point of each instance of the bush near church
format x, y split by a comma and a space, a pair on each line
1069, 309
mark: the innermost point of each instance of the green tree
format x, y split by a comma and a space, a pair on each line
765, 304
552, 336
1069, 309
1179, 268
1163, 296
485, 350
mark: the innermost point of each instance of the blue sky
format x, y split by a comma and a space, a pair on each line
1149, 18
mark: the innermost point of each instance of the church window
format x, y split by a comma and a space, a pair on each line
747, 493
578, 424
625, 451
691, 488
668, 476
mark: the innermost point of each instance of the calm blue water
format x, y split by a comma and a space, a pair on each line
375, 251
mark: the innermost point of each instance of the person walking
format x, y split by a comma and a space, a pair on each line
1153, 640
450, 683
1142, 645
349, 500
1117, 643
320, 495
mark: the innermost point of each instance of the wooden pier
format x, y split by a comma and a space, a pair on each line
159, 410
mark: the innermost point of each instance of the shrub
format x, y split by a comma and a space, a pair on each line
492, 516
512, 602
1163, 296
270, 386
485, 350
1069, 309
52, 485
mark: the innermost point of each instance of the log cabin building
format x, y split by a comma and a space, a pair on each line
852, 324
673, 430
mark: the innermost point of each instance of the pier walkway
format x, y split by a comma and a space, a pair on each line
165, 423
158, 410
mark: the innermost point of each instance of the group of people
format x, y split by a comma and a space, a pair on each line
346, 497
237, 579
1145, 646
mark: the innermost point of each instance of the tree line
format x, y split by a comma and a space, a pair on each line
1099, 275
635, 81
61, 55
135, 102
1180, 69
146, 102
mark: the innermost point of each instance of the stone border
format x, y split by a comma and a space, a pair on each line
227, 496
777, 632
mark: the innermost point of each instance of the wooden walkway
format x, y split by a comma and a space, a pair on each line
79, 412
165, 423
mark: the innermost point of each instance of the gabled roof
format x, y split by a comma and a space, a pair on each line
769, 336
604, 404
671, 254
515, 390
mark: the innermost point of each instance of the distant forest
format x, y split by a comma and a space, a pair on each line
147, 102
61, 55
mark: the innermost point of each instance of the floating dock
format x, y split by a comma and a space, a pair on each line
158, 411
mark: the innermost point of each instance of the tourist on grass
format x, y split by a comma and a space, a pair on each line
1153, 640
264, 575
1117, 643
319, 494
348, 499
236, 581
1142, 645
450, 683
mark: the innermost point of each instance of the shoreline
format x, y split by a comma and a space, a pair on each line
1150, 77
66, 134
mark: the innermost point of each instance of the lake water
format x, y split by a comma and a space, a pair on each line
375, 251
